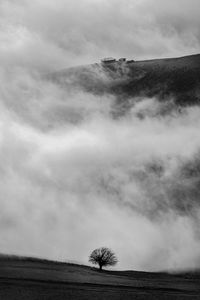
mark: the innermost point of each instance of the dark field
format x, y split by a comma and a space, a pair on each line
36, 279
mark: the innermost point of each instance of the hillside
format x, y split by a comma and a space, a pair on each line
28, 278
172, 78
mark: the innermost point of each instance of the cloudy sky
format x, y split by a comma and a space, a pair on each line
54, 34
72, 177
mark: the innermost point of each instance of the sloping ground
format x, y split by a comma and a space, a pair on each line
175, 78
37, 279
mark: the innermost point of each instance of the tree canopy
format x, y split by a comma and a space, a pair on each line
103, 257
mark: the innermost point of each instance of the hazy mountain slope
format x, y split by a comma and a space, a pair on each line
177, 78
176, 83
38, 279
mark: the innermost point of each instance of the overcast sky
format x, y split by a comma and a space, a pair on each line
72, 178
54, 34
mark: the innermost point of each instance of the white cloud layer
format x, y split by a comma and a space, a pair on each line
73, 178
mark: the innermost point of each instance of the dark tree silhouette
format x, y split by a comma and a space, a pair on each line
103, 257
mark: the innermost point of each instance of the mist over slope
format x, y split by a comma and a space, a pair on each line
96, 156
152, 93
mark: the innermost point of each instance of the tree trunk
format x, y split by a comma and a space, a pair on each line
100, 267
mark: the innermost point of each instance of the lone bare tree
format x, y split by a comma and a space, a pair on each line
103, 257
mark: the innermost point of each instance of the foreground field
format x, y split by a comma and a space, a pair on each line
37, 279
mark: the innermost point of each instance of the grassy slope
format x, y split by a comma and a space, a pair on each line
177, 78
39, 279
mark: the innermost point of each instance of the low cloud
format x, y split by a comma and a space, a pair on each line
74, 178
